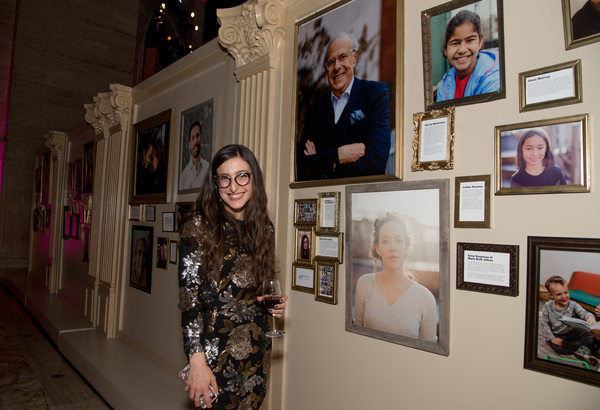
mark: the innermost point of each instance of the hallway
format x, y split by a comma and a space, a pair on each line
33, 375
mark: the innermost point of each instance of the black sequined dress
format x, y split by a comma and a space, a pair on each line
224, 320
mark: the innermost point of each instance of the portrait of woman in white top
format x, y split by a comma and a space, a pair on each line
389, 300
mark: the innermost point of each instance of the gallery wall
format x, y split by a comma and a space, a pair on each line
484, 368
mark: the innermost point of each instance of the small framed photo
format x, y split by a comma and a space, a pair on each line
580, 23
182, 211
150, 162
162, 252
135, 212
451, 81
557, 265
88, 168
168, 221
433, 142
472, 201
150, 213
326, 282
196, 136
173, 252
551, 86
329, 246
328, 212
305, 212
545, 156
487, 268
303, 278
304, 245
140, 268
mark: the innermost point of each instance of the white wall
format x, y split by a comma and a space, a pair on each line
329, 368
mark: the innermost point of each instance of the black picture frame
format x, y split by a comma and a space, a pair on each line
140, 263
547, 256
433, 25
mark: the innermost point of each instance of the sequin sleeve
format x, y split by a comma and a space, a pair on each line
189, 287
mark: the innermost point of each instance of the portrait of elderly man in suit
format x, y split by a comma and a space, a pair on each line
346, 132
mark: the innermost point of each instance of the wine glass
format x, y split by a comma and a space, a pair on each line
272, 295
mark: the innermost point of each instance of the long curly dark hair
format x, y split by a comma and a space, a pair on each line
258, 234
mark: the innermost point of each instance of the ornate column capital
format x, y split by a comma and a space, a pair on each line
55, 140
109, 109
252, 30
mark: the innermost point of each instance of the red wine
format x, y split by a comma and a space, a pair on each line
271, 300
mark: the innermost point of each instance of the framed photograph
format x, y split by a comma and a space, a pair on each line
551, 86
477, 24
140, 268
328, 212
150, 213
182, 211
168, 221
173, 252
196, 146
487, 268
303, 278
304, 245
74, 226
545, 156
580, 23
66, 222
305, 212
349, 48
88, 168
326, 284
433, 143
329, 246
472, 196
135, 212
162, 252
150, 160
399, 232
555, 265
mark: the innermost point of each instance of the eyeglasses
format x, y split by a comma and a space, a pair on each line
341, 58
242, 179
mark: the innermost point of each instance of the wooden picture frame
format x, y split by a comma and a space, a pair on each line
378, 26
173, 252
576, 32
202, 116
488, 268
572, 259
305, 244
472, 201
418, 213
150, 160
551, 86
568, 136
305, 212
88, 167
433, 142
328, 212
303, 278
439, 83
329, 246
140, 262
326, 281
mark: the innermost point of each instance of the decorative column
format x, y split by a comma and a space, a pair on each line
110, 116
56, 141
253, 34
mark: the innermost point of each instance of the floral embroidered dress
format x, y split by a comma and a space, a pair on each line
224, 320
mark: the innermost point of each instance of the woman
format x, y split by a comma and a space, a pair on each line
389, 300
226, 251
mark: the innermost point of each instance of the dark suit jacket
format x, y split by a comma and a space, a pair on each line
369, 100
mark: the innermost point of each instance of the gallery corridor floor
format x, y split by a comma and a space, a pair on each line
33, 374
